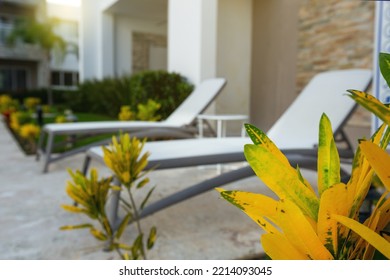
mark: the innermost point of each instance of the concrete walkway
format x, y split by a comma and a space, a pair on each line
204, 227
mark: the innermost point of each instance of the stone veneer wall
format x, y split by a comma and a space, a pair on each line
335, 34
141, 45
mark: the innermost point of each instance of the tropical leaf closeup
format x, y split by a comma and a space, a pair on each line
323, 223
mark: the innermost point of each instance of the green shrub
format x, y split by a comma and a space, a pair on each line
167, 89
58, 95
100, 96
107, 96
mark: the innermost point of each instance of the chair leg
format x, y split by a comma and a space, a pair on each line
86, 163
49, 147
40, 145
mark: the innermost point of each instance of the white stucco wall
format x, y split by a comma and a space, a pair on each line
89, 39
125, 26
274, 60
234, 56
106, 43
192, 38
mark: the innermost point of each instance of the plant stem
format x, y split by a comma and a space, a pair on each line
136, 216
120, 253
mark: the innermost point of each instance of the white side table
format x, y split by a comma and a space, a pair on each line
221, 126
221, 123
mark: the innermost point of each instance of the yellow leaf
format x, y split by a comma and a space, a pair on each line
282, 179
72, 209
334, 200
260, 138
299, 231
256, 206
124, 246
381, 213
125, 178
372, 224
362, 172
278, 247
381, 244
98, 234
76, 227
379, 160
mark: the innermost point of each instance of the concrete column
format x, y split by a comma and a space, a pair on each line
192, 38
106, 45
96, 41
234, 49
88, 46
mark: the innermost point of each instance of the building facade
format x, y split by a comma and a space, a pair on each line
24, 66
267, 49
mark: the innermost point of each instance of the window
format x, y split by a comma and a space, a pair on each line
55, 78
13, 79
64, 78
68, 79
21, 78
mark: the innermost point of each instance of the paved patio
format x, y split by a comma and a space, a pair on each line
204, 227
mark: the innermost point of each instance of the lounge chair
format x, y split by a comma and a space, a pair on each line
178, 125
295, 133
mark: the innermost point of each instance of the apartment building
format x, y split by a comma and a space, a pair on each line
24, 66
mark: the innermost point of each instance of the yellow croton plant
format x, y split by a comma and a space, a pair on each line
322, 224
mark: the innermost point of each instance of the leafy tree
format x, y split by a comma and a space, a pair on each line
41, 33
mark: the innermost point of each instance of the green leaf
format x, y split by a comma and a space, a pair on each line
136, 249
123, 225
106, 224
146, 198
384, 66
328, 157
257, 136
260, 138
152, 238
302, 179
